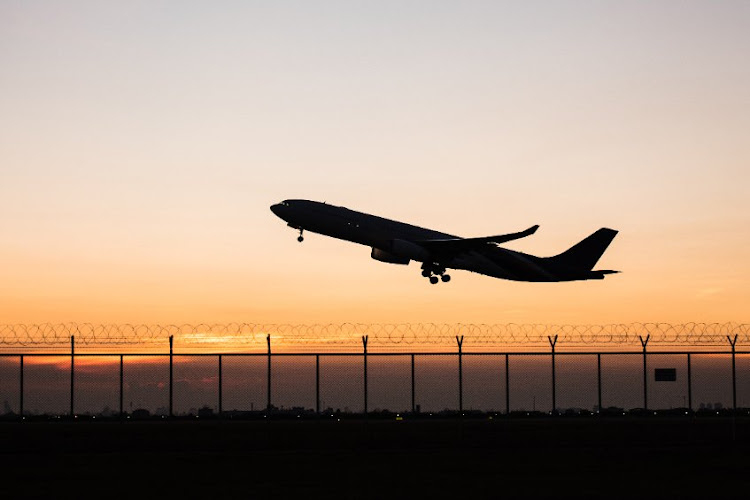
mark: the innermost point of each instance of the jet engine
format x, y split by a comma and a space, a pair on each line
388, 257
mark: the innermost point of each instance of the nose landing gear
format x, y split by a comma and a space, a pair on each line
300, 238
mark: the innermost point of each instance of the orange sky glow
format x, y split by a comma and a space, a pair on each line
141, 145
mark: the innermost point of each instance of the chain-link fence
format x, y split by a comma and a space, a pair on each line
645, 379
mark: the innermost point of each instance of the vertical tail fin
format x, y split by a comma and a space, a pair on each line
586, 253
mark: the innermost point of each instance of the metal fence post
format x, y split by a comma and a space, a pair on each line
690, 386
733, 343
317, 384
122, 415
221, 384
171, 377
72, 372
599, 380
507, 384
364, 345
644, 342
20, 388
268, 376
460, 341
413, 394
552, 343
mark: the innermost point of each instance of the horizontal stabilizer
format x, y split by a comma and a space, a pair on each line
458, 245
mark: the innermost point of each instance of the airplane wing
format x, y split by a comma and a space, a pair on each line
458, 245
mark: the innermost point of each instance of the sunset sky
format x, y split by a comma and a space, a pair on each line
142, 143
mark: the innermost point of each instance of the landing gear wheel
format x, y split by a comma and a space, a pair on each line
446, 278
433, 280
300, 238
426, 273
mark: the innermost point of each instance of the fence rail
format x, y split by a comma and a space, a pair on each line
457, 356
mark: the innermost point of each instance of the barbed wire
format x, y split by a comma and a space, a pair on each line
384, 334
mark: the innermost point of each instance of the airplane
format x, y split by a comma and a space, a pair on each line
399, 243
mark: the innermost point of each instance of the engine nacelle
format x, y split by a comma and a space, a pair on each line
388, 257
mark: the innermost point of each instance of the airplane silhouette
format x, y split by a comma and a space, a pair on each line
399, 243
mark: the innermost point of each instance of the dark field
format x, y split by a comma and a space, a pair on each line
552, 457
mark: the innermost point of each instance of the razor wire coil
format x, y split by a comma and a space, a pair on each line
383, 334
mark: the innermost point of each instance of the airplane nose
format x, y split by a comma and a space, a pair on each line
279, 210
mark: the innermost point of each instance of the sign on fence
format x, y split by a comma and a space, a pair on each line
665, 374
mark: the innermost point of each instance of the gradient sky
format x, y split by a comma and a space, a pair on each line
141, 144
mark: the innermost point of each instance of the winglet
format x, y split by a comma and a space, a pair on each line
513, 236
529, 231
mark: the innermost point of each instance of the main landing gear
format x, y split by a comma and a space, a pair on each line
432, 271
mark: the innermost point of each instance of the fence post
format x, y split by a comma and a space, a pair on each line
364, 345
413, 394
733, 343
552, 343
599, 380
171, 377
221, 407
507, 384
122, 415
460, 341
268, 376
20, 389
690, 386
72, 372
644, 342
317, 384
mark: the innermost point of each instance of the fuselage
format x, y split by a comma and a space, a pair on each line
381, 233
